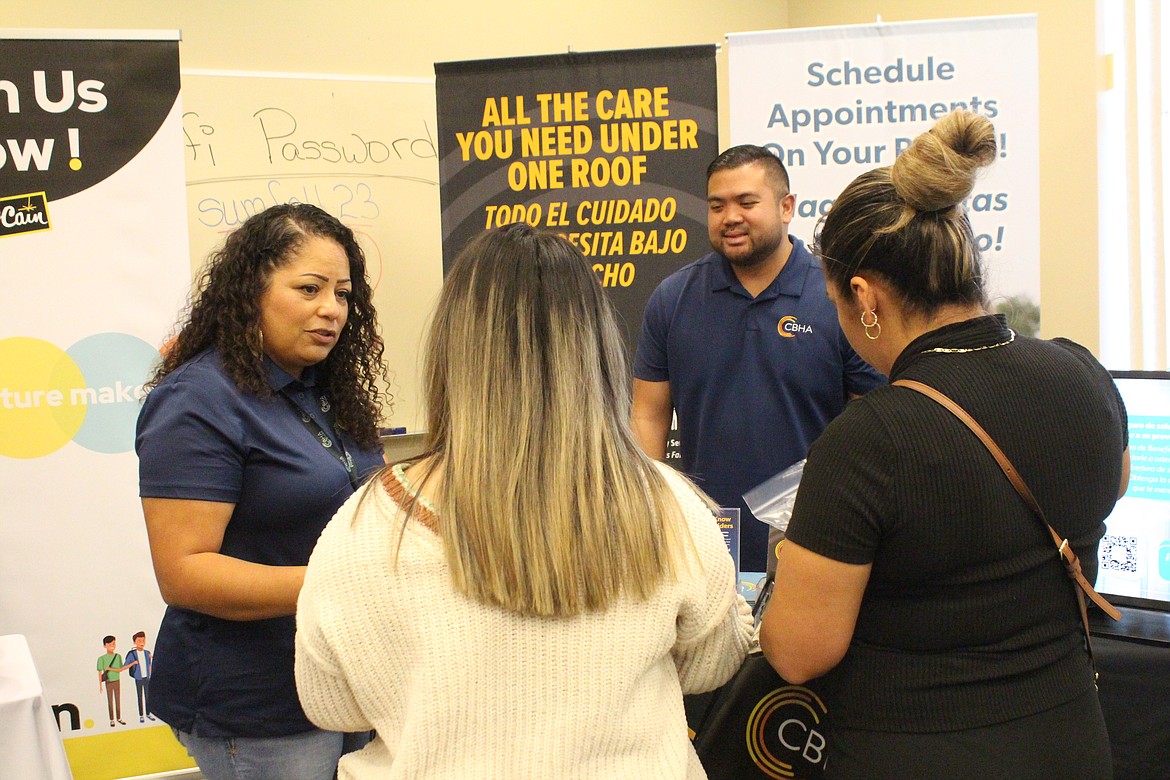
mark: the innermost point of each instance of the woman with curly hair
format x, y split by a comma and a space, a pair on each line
261, 421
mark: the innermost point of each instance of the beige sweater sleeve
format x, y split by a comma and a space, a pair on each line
325, 694
714, 623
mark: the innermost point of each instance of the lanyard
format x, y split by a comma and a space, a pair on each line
319, 433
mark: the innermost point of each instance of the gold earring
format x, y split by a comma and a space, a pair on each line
871, 325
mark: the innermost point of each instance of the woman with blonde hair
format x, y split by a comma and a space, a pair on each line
913, 574
533, 596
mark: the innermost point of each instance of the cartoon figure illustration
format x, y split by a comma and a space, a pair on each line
108, 667
140, 662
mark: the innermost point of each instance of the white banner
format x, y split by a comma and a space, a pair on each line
93, 247
834, 102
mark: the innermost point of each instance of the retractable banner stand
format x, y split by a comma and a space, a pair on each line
93, 249
609, 149
834, 102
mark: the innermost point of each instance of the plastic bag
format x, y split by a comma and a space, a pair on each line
772, 499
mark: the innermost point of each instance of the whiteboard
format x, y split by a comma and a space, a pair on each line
363, 149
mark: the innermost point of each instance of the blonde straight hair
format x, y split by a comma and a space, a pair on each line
546, 504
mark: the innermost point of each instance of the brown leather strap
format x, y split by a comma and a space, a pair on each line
1064, 550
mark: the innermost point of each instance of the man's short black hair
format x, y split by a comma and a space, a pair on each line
746, 154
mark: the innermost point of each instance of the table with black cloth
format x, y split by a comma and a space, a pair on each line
1133, 661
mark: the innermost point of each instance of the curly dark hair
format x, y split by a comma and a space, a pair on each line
224, 313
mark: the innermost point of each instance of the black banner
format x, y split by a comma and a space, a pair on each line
610, 149
74, 113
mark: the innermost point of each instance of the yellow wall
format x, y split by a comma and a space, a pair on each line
396, 37
1068, 138
400, 38
405, 39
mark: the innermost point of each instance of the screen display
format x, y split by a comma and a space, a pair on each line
1134, 555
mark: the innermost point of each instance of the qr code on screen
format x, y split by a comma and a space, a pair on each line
1118, 554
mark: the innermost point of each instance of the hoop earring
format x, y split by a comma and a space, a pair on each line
871, 325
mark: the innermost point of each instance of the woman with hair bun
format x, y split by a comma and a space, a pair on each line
913, 576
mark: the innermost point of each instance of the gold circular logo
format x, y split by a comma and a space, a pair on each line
784, 331
784, 722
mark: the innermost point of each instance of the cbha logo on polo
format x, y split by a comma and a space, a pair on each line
789, 326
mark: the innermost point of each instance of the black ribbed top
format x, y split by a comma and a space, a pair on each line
969, 618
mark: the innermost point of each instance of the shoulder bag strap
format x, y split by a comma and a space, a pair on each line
1071, 563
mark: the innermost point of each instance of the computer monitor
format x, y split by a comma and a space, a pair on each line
1134, 555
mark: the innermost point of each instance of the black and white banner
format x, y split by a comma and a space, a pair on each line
93, 245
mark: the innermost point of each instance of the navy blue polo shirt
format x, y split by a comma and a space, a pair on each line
753, 380
201, 437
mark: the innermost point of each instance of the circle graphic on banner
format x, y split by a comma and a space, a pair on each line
89, 394
114, 366
38, 382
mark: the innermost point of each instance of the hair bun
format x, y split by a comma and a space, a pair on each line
938, 170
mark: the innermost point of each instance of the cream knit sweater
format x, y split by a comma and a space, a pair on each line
457, 689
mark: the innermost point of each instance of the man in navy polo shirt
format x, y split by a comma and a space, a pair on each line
744, 346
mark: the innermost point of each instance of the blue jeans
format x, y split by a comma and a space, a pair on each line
309, 756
